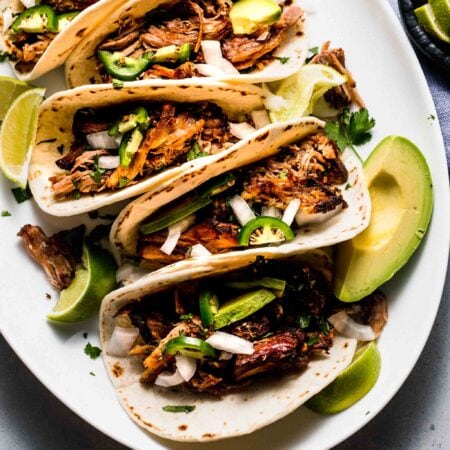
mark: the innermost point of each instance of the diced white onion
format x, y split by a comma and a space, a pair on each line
230, 343
212, 53
274, 102
108, 162
168, 379
225, 356
302, 219
186, 366
241, 130
127, 273
174, 233
118, 139
8, 19
291, 211
198, 250
263, 36
102, 140
122, 340
28, 3
260, 118
241, 210
208, 70
351, 329
271, 211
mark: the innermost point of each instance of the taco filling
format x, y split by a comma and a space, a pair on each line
262, 204
32, 31
117, 147
219, 334
197, 38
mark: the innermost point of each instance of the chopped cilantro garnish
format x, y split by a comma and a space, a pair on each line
98, 173
283, 59
22, 194
347, 186
5, 213
195, 152
324, 326
283, 173
85, 335
351, 128
117, 84
92, 373
313, 51
5, 55
313, 340
179, 408
123, 182
186, 316
304, 321
92, 351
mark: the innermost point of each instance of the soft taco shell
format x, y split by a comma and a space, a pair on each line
343, 226
65, 41
234, 414
55, 129
81, 65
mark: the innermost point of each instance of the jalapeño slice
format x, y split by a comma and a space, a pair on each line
122, 67
190, 346
209, 305
36, 19
265, 230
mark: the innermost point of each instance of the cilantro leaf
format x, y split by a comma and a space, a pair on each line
99, 171
22, 194
313, 51
92, 351
351, 129
283, 59
195, 152
178, 408
5, 213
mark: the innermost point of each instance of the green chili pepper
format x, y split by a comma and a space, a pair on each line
136, 118
65, 19
209, 305
129, 145
37, 19
190, 346
172, 53
122, 67
265, 230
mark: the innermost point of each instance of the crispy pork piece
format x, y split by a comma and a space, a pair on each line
52, 253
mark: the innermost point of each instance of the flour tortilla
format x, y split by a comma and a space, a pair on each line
81, 65
65, 41
343, 226
55, 130
234, 414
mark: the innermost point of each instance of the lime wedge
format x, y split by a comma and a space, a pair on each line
10, 89
17, 134
429, 23
94, 278
302, 90
352, 384
441, 10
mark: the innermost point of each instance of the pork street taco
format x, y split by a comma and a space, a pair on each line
248, 41
231, 349
300, 194
100, 145
38, 36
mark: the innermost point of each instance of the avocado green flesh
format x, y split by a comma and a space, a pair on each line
242, 307
248, 15
400, 187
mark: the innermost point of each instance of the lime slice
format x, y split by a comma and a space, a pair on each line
352, 384
17, 133
302, 90
428, 22
441, 10
94, 278
10, 89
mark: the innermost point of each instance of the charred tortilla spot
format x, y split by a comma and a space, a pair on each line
208, 435
81, 32
182, 427
288, 127
262, 137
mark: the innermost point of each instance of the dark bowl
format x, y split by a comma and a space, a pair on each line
438, 52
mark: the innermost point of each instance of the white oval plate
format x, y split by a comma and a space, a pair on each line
394, 88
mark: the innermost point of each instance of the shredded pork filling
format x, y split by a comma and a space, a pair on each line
27, 48
172, 132
310, 171
285, 334
191, 22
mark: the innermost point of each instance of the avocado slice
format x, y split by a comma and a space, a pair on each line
248, 15
241, 307
401, 190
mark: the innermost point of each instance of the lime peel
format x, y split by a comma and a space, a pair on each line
352, 384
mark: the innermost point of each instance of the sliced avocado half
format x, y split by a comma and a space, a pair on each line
248, 15
401, 191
